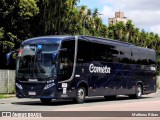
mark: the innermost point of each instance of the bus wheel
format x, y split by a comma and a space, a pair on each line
138, 92
80, 95
45, 100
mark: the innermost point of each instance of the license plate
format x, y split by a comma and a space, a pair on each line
32, 93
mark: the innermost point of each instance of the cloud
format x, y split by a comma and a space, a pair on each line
144, 18
136, 4
107, 12
143, 13
155, 29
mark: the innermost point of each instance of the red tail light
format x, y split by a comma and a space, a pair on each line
20, 52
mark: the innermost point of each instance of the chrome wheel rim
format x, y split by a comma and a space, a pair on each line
139, 91
81, 93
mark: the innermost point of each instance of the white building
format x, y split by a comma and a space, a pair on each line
119, 16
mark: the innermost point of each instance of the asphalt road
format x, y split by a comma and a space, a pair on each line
149, 102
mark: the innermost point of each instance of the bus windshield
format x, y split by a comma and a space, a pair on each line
37, 62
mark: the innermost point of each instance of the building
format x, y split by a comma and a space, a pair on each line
119, 16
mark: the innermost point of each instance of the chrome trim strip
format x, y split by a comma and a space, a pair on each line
33, 81
75, 61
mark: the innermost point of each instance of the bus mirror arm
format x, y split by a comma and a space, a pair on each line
63, 49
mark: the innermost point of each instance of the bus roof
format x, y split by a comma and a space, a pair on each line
110, 41
46, 39
104, 40
59, 38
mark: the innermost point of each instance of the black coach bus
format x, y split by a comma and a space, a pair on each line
73, 67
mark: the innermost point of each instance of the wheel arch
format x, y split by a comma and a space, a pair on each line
84, 84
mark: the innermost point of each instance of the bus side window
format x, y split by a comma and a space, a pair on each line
84, 52
125, 54
136, 56
144, 60
106, 53
151, 58
139, 56
113, 53
66, 60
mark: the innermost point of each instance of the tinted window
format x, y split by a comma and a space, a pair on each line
84, 53
66, 59
125, 54
99, 52
151, 57
144, 60
106, 53
139, 56
136, 56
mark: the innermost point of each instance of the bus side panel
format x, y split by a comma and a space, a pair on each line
118, 79
147, 77
121, 80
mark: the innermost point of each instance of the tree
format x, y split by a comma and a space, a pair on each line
136, 35
23, 19
1, 33
129, 29
53, 14
103, 31
111, 32
156, 40
119, 31
15, 16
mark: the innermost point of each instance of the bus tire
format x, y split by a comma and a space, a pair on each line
80, 95
138, 92
45, 100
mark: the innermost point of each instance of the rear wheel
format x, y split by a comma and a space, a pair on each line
45, 100
80, 95
138, 93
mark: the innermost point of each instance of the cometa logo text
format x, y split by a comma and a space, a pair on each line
96, 69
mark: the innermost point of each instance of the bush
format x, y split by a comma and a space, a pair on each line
158, 82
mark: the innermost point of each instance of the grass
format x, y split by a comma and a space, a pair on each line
158, 82
6, 95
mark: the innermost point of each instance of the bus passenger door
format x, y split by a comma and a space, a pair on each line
66, 60
84, 59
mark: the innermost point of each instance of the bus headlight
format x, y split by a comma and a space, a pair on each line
19, 86
48, 86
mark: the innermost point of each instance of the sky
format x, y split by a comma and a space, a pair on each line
145, 14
